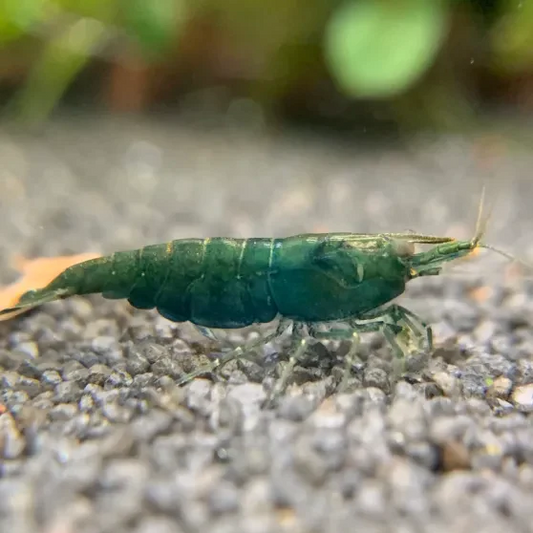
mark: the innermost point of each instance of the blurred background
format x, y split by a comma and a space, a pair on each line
358, 65
164, 119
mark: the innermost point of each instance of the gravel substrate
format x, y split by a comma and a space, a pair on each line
96, 437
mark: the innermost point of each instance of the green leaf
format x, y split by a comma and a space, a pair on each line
154, 23
378, 48
16, 16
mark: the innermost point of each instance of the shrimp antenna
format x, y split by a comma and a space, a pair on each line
482, 222
481, 228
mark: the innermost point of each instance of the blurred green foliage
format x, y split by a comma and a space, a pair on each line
512, 37
368, 49
67, 34
62, 58
377, 48
17, 18
153, 24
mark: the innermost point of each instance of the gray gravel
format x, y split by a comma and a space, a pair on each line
96, 437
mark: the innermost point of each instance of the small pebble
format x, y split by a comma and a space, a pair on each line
30, 349
167, 366
295, 408
118, 379
448, 384
224, 498
29, 385
148, 426
522, 397
137, 363
308, 463
151, 352
157, 524
376, 378
51, 378
107, 346
116, 413
67, 391
9, 380
454, 456
99, 373
75, 371
500, 388
86, 403
63, 411
30, 368
12, 443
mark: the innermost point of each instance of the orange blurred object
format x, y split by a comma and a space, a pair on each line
481, 294
36, 274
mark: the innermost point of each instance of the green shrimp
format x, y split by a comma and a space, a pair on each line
304, 281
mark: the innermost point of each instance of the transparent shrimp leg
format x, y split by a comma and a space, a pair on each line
300, 344
420, 330
389, 330
298, 348
352, 335
238, 353
391, 322
206, 332
403, 321
400, 316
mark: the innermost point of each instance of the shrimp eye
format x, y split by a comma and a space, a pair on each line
403, 248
